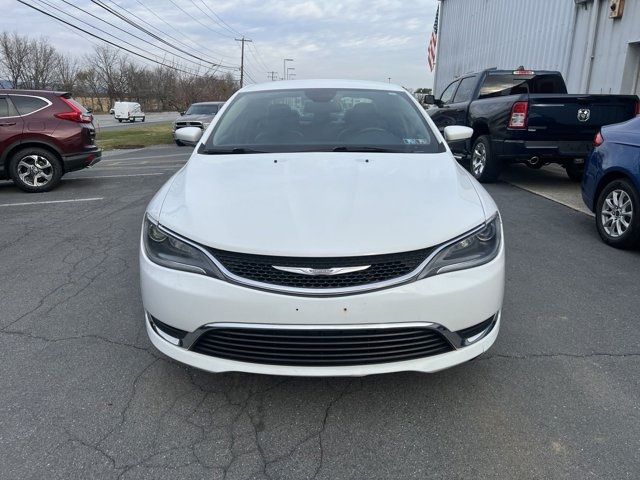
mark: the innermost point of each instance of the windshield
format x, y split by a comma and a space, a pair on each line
203, 110
322, 120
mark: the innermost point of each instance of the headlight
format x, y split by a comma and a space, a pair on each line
166, 250
477, 249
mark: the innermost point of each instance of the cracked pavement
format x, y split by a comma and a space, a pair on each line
83, 393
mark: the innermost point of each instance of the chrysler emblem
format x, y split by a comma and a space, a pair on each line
584, 114
322, 271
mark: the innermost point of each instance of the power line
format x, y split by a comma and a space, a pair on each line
210, 18
168, 35
107, 41
112, 25
193, 18
229, 27
135, 25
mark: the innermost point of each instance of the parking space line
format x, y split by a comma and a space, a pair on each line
51, 201
146, 157
117, 176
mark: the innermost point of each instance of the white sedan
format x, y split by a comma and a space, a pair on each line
322, 228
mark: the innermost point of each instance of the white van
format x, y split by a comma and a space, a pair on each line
129, 111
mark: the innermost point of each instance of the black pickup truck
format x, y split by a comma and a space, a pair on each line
527, 117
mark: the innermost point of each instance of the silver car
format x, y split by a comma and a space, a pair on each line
198, 115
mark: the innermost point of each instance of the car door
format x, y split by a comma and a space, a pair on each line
11, 125
441, 116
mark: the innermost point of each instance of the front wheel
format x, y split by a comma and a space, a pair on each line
119, 120
35, 170
485, 167
618, 214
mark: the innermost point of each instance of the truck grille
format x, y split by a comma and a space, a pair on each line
320, 347
261, 268
188, 124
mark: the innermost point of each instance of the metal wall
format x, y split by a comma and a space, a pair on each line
540, 34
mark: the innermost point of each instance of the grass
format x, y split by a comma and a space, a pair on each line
136, 137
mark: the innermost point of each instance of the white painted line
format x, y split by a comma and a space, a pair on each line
116, 176
140, 167
51, 201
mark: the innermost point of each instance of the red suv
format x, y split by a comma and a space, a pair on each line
44, 135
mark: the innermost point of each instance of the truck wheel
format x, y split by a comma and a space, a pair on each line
484, 166
35, 170
575, 172
119, 120
143, 118
618, 214
179, 143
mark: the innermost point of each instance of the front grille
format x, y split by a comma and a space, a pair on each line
321, 347
188, 124
259, 268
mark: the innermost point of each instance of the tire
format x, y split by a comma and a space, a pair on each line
484, 166
179, 143
575, 172
35, 170
143, 119
132, 119
119, 120
618, 205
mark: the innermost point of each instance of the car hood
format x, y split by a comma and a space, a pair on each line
321, 204
194, 118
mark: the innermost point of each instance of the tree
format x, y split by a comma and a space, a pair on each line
41, 65
14, 51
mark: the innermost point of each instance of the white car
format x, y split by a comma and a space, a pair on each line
322, 228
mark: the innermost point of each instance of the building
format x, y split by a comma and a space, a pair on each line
595, 46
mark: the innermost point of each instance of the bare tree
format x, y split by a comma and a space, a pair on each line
40, 68
67, 69
14, 51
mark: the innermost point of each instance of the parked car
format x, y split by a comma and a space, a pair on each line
129, 111
44, 135
611, 185
197, 115
298, 242
526, 116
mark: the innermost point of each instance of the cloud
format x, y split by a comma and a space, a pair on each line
373, 39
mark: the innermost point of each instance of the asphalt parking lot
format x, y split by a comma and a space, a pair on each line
85, 395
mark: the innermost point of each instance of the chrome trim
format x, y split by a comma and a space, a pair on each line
324, 292
453, 338
321, 271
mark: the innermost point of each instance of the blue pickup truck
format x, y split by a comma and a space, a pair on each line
527, 117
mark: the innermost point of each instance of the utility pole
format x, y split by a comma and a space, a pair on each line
243, 40
284, 67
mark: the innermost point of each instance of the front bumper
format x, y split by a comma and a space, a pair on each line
453, 301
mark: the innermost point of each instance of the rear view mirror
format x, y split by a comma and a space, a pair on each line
189, 135
457, 133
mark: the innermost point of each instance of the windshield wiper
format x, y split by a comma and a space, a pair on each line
231, 151
356, 148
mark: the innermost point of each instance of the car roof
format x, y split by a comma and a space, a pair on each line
324, 83
9, 91
207, 103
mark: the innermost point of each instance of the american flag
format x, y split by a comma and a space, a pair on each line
433, 43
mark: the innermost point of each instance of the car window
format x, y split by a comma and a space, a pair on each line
465, 90
4, 107
447, 95
323, 119
27, 104
501, 84
202, 110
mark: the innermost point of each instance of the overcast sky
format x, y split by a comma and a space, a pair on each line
365, 39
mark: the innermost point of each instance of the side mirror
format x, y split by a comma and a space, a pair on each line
189, 135
457, 133
429, 100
